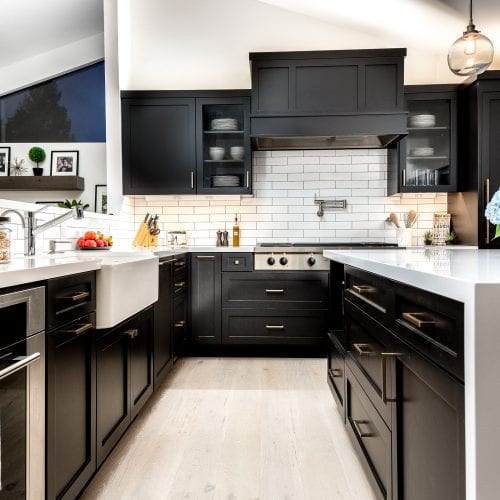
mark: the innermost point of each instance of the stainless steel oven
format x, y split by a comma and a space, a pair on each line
22, 394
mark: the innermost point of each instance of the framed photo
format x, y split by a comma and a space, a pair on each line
101, 199
64, 163
4, 160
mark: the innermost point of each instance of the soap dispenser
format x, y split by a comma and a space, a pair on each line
236, 232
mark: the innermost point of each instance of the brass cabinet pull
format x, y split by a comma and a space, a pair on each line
132, 334
385, 356
179, 324
181, 263
165, 262
180, 284
357, 429
360, 291
414, 319
278, 291
335, 372
363, 288
364, 349
275, 327
81, 329
77, 296
486, 201
206, 257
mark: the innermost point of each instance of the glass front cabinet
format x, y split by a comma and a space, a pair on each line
223, 145
426, 159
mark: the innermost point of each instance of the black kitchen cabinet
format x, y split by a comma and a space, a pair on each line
71, 407
336, 370
167, 136
426, 159
158, 145
163, 331
205, 290
124, 367
479, 160
180, 326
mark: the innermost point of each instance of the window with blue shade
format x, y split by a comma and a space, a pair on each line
69, 108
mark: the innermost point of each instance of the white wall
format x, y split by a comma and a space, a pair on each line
92, 166
195, 44
283, 209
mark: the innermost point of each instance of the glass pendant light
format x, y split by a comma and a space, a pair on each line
472, 53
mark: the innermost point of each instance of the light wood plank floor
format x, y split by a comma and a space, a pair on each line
236, 428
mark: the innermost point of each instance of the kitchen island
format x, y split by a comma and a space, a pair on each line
472, 278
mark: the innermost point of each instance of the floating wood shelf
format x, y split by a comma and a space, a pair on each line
42, 183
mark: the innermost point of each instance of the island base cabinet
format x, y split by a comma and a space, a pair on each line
370, 436
336, 370
430, 451
124, 378
71, 405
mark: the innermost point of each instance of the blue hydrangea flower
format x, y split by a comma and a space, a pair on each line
492, 211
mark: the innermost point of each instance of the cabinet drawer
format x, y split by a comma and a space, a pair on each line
69, 298
336, 369
180, 283
369, 292
254, 326
433, 325
370, 436
237, 262
276, 290
180, 264
369, 345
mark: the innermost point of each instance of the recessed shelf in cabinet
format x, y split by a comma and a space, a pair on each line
223, 161
426, 157
426, 129
223, 131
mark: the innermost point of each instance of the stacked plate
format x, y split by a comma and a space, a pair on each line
422, 151
422, 121
224, 124
225, 181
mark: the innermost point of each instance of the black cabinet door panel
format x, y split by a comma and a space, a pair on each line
336, 370
159, 146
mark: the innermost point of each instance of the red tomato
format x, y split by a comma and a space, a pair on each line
90, 243
105, 243
81, 242
99, 243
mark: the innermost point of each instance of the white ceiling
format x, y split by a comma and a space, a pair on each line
31, 27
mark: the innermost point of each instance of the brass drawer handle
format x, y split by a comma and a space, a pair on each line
205, 257
81, 329
181, 263
364, 349
132, 334
271, 291
335, 372
275, 327
363, 289
419, 319
180, 284
77, 296
356, 424
165, 262
180, 324
385, 356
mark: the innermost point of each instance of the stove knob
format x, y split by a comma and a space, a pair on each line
283, 261
271, 261
311, 261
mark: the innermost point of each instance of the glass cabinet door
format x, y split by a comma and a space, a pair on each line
427, 150
224, 155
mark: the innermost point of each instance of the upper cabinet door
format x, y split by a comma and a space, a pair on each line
158, 137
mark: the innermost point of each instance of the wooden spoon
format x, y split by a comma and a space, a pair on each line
412, 218
393, 217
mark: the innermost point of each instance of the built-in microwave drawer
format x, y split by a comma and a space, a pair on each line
308, 290
369, 292
251, 326
237, 262
370, 357
69, 298
432, 324
370, 436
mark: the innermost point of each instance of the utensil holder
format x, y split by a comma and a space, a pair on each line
403, 236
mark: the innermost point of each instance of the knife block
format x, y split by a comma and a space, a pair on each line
144, 238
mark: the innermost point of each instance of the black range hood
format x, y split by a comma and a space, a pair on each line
347, 99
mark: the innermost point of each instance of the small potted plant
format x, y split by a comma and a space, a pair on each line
451, 238
73, 203
428, 238
37, 155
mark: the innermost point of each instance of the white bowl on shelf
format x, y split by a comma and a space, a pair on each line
422, 121
237, 152
216, 153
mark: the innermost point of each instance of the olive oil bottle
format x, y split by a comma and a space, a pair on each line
236, 232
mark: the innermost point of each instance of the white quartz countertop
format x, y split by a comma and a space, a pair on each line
443, 270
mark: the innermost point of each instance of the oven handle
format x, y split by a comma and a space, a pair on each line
19, 365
